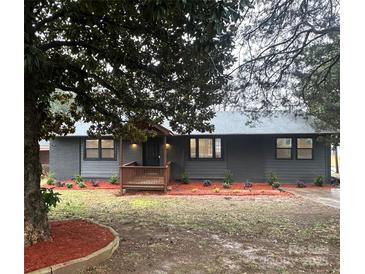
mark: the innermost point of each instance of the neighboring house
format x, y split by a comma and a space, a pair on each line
44, 152
283, 145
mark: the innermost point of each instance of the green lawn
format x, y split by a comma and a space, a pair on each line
177, 234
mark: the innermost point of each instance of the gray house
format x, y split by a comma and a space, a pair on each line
285, 145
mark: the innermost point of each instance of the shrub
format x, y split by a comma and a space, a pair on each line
216, 190
50, 198
300, 184
81, 185
78, 179
275, 185
207, 183
60, 184
95, 183
248, 184
194, 190
226, 185
319, 181
228, 178
184, 178
50, 178
69, 185
273, 178
114, 179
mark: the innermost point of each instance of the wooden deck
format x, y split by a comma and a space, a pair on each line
134, 177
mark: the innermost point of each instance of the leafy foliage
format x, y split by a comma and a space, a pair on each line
318, 181
69, 185
207, 183
273, 178
228, 177
94, 183
81, 185
78, 179
50, 178
216, 190
89, 55
275, 185
50, 198
113, 179
185, 178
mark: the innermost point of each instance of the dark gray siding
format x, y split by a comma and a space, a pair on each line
292, 170
245, 158
178, 154
64, 157
99, 169
252, 158
132, 152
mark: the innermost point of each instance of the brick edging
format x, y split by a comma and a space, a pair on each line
79, 264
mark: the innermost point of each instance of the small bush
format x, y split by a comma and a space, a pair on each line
81, 185
273, 178
207, 183
78, 179
50, 198
216, 190
50, 178
226, 185
248, 184
114, 179
275, 185
194, 190
69, 185
95, 183
60, 184
184, 178
300, 184
319, 181
228, 177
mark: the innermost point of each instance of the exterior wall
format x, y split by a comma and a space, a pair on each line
64, 157
248, 157
251, 158
99, 169
67, 159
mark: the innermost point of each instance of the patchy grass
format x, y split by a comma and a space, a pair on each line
211, 234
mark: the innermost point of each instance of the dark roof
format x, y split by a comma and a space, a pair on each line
236, 123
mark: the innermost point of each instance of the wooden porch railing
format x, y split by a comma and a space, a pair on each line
134, 176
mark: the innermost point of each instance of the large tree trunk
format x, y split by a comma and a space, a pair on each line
35, 216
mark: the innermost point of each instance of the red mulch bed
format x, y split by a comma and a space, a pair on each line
102, 185
71, 239
257, 189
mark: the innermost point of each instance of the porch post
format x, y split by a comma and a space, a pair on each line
164, 151
121, 164
165, 162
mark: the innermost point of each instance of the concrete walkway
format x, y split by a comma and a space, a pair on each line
329, 197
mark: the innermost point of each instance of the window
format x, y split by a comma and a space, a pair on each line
205, 148
192, 148
283, 148
304, 148
99, 149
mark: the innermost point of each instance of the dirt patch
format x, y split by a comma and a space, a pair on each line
70, 240
211, 234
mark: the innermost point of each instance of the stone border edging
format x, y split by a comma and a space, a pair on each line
79, 264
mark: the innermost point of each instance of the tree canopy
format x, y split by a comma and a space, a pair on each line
122, 65
289, 58
130, 62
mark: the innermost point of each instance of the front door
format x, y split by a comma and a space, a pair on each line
151, 152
